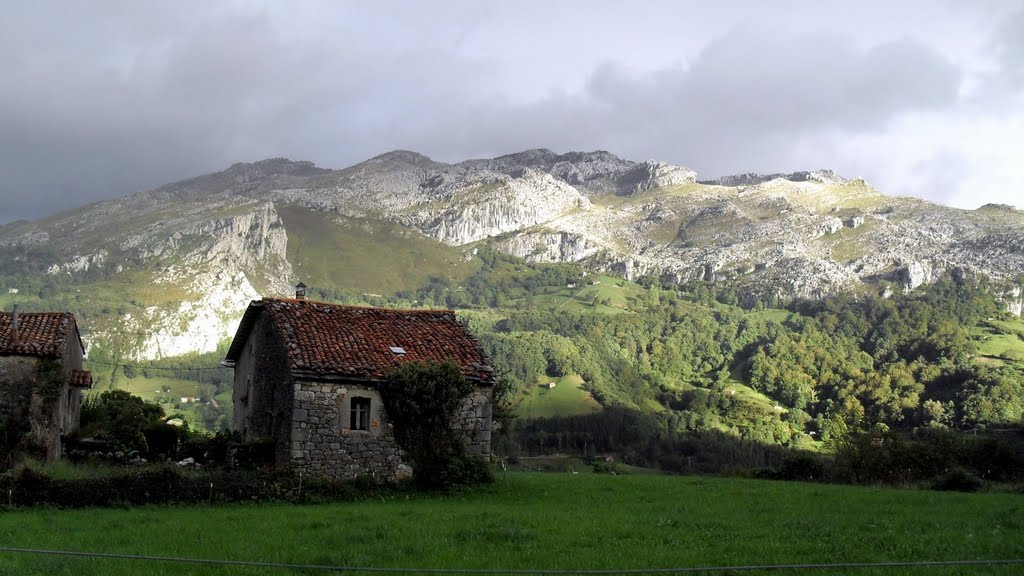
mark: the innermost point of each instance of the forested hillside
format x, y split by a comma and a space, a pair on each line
809, 372
827, 366
801, 374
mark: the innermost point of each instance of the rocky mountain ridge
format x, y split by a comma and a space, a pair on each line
219, 238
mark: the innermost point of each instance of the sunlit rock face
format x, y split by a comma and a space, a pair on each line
197, 325
548, 247
1015, 301
504, 204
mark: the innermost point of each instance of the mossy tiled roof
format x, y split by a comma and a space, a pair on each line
43, 334
323, 339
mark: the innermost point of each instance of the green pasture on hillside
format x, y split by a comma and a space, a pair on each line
1000, 339
601, 293
770, 314
167, 392
567, 398
157, 388
545, 521
752, 398
367, 255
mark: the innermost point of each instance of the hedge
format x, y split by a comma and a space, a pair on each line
169, 484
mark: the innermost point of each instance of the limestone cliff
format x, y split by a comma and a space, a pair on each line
199, 266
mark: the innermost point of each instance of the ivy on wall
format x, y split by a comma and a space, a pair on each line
421, 401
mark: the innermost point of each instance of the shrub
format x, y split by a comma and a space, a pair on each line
602, 466
10, 438
932, 458
801, 467
120, 418
227, 447
163, 439
959, 480
422, 401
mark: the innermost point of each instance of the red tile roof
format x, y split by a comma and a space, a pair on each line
39, 333
80, 378
355, 342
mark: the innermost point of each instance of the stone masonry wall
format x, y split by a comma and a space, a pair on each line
262, 390
323, 443
475, 422
31, 408
17, 376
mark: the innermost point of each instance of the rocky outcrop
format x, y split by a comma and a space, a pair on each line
198, 325
79, 264
30, 238
248, 241
1014, 301
651, 174
592, 173
998, 207
753, 179
495, 205
828, 225
548, 247
914, 274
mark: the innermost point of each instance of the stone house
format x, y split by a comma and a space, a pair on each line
306, 376
41, 379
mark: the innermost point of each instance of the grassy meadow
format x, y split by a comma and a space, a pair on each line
545, 521
596, 294
567, 398
365, 255
1000, 340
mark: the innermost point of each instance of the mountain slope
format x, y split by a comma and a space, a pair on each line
179, 263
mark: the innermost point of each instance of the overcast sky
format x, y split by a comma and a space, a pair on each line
99, 99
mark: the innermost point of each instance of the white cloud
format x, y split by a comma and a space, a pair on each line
963, 160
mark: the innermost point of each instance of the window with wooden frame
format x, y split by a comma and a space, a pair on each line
359, 413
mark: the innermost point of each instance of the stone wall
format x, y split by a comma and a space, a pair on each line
17, 375
71, 400
262, 391
475, 422
33, 409
324, 444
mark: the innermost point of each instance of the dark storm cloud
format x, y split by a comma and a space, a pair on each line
87, 120
745, 97
1008, 45
100, 99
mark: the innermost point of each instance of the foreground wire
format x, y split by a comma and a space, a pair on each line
691, 570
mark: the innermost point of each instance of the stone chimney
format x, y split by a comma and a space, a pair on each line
14, 325
300, 291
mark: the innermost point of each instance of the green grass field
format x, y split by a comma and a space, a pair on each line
609, 295
150, 388
1001, 340
366, 255
752, 398
567, 398
545, 521
771, 314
